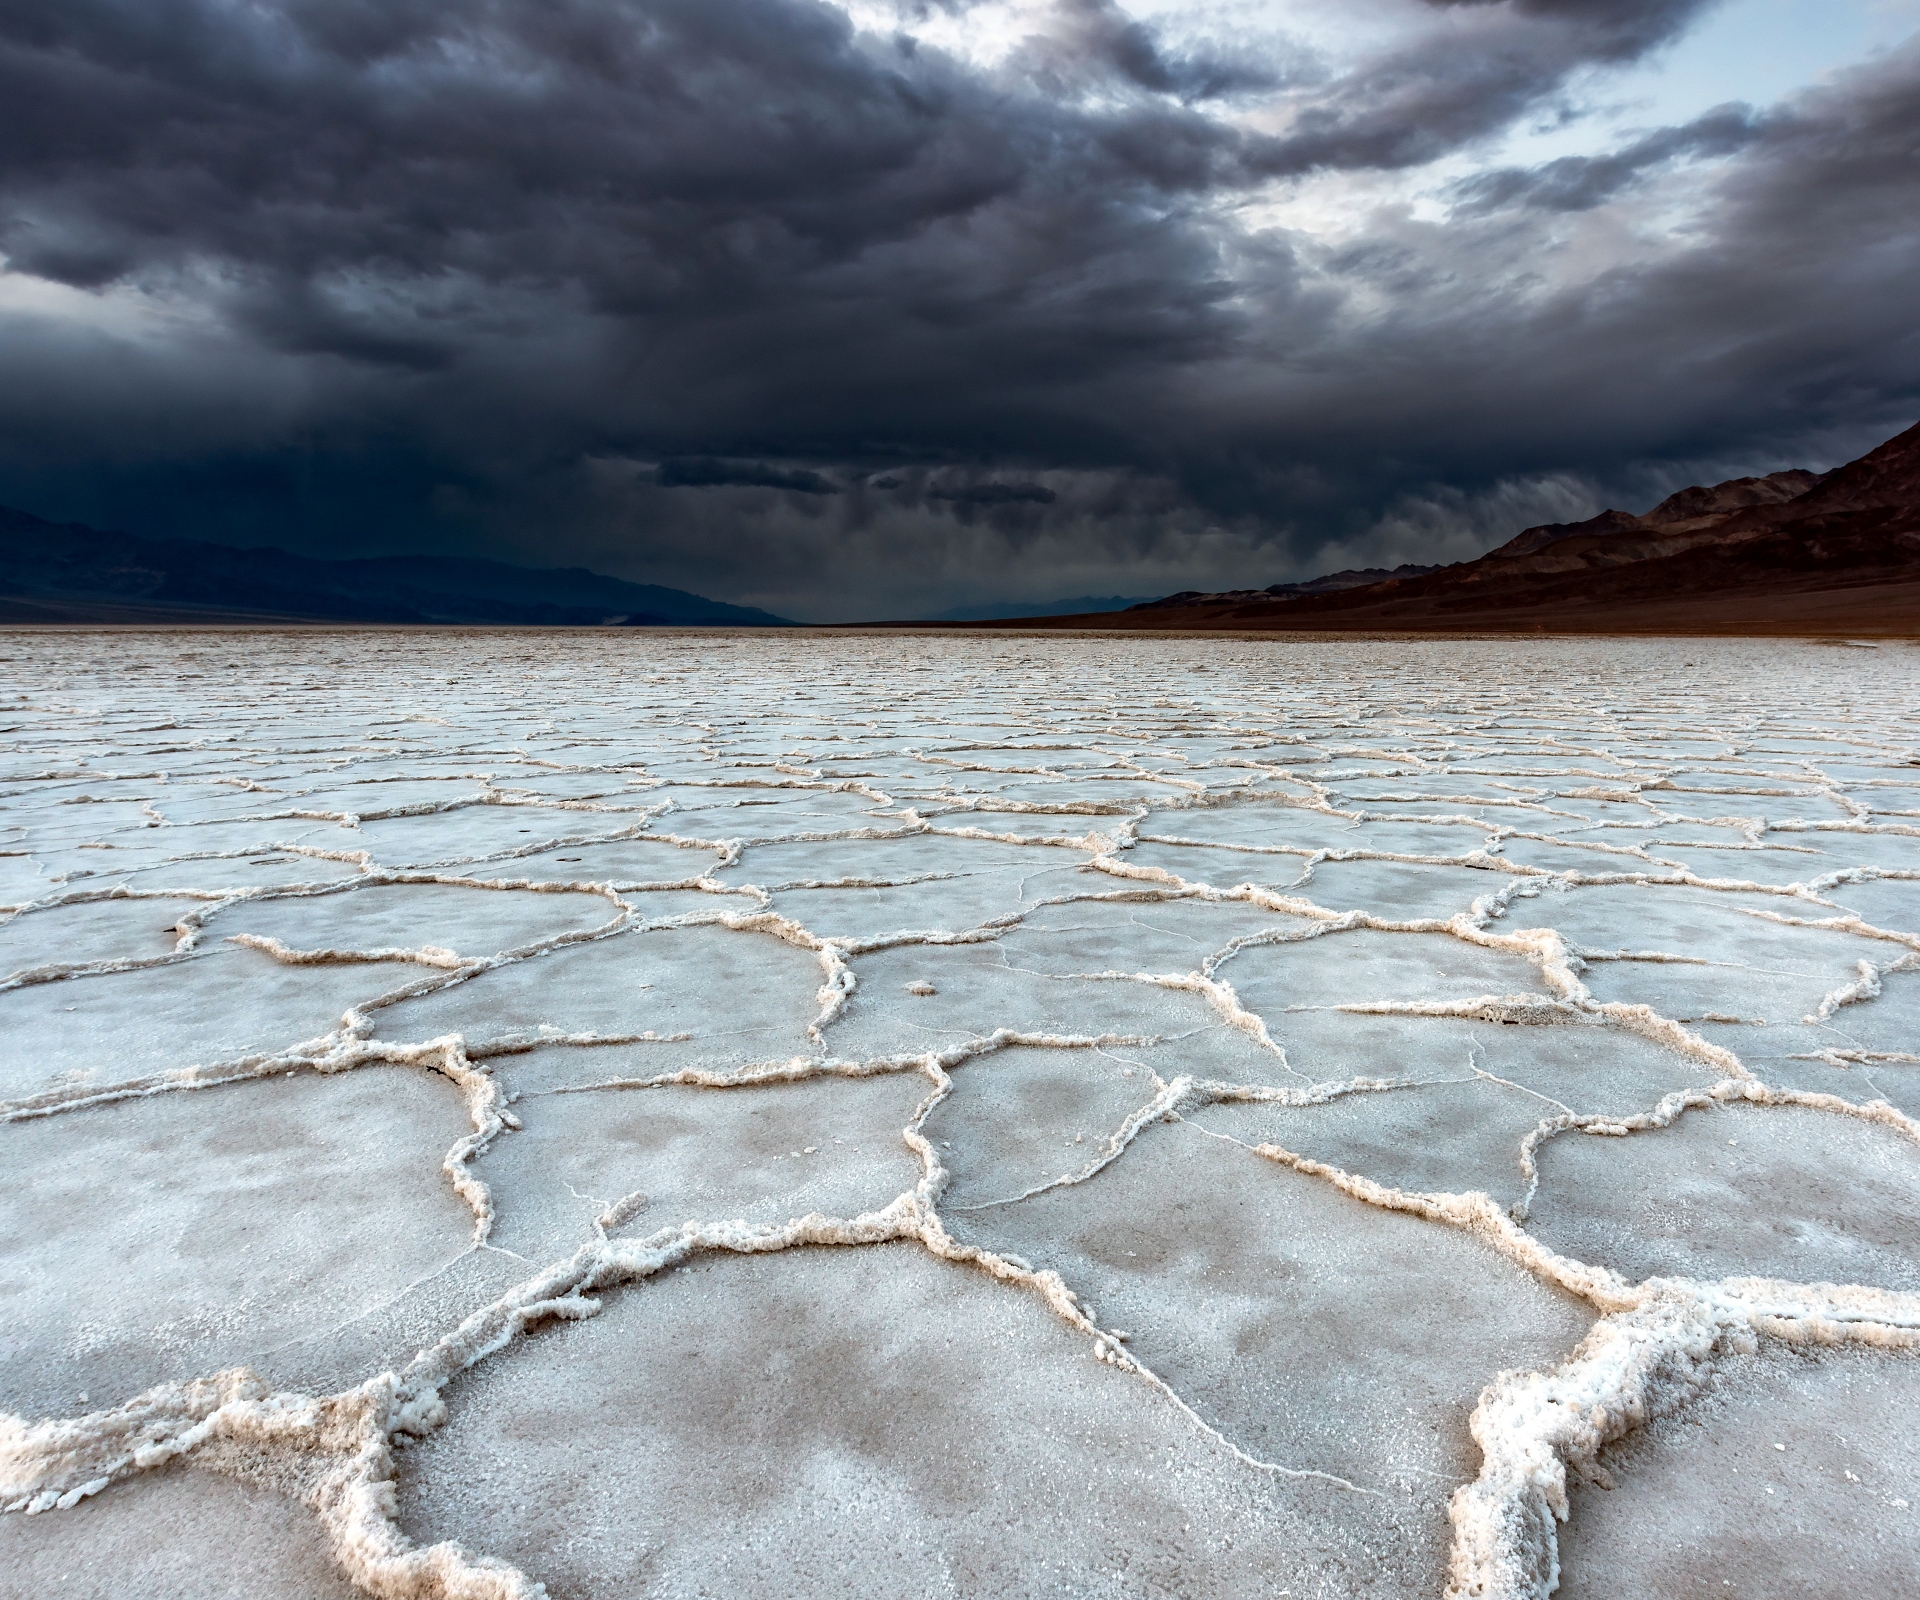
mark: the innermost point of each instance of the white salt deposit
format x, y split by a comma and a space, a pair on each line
665, 1113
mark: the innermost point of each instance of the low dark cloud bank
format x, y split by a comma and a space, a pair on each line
729, 295
710, 474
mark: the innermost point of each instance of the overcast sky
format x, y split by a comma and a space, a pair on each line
877, 307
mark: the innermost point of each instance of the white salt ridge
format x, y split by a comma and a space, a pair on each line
727, 916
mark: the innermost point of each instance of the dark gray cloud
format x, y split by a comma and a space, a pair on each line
1579, 183
706, 473
996, 494
731, 295
1456, 83
1097, 34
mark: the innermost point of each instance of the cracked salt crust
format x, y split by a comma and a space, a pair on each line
690, 1152
1482, 1091
305, 1201
470, 921
987, 1455
1739, 1190
1712, 1498
222, 1535
590, 1115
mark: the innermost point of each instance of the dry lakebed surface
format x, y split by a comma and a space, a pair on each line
675, 1113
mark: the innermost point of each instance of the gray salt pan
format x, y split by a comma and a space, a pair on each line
1023, 1116
1220, 869
1560, 1056
1705, 1502
374, 798
183, 1534
950, 905
88, 1034
1296, 1321
827, 1144
978, 991
1137, 932
1479, 1093
227, 875
663, 981
1362, 966
23, 879
251, 1217
470, 832
1256, 825
859, 1422
414, 916
621, 862
792, 1236
92, 930
1739, 1191
879, 860
1890, 903
1397, 891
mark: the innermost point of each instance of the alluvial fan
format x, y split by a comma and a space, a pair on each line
758, 1115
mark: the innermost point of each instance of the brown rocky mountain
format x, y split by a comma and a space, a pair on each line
1792, 552
1736, 494
1529, 540
1690, 510
1329, 583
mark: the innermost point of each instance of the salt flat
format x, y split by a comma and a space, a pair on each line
675, 1113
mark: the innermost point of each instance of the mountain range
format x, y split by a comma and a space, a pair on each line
1330, 583
1003, 610
65, 572
1791, 552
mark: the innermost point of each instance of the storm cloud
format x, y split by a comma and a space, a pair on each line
710, 474
807, 307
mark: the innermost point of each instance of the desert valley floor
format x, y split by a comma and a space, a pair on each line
760, 1114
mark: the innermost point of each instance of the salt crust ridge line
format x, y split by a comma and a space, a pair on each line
354, 1493
341, 1049
348, 1439
839, 981
1650, 1353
